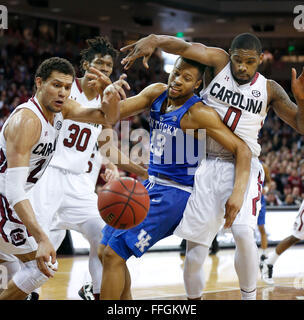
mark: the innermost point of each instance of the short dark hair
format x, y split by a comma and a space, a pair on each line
62, 65
97, 45
199, 66
247, 41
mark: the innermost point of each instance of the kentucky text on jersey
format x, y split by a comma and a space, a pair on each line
236, 99
164, 127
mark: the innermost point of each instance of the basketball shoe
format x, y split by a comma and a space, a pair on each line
266, 272
86, 292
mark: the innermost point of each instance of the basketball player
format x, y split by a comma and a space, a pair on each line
297, 235
174, 110
68, 184
242, 97
27, 143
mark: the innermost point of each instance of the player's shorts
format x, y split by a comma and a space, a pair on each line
261, 218
298, 226
205, 210
14, 237
167, 205
70, 195
8, 257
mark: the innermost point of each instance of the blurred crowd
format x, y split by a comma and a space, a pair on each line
21, 53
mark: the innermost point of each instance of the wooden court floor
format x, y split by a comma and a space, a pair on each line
159, 276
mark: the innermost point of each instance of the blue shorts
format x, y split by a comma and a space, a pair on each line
261, 218
167, 205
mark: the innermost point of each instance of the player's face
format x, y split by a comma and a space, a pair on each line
103, 63
54, 91
244, 64
183, 80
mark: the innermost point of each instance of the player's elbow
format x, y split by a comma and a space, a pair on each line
242, 150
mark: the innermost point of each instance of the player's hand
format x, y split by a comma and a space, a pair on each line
116, 89
98, 80
110, 174
297, 85
142, 48
45, 253
232, 208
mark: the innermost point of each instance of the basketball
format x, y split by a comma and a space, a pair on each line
123, 203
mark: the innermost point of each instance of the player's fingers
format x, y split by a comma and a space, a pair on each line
122, 93
53, 257
128, 47
124, 83
129, 64
96, 72
42, 267
123, 76
145, 61
92, 76
293, 74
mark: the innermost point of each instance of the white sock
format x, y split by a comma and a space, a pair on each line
248, 295
273, 257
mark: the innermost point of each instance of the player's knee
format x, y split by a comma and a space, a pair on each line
29, 277
243, 236
111, 258
195, 257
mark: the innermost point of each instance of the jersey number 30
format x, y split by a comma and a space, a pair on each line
79, 137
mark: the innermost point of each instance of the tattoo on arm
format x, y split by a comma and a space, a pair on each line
281, 103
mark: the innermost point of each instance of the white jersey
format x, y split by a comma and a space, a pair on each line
76, 140
243, 108
41, 152
94, 166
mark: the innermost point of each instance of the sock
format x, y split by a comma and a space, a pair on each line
248, 295
273, 257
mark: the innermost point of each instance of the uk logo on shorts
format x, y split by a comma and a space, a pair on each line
143, 242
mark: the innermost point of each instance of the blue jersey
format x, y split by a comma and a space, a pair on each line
172, 152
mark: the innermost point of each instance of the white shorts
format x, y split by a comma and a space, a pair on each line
14, 237
69, 195
8, 257
205, 210
298, 226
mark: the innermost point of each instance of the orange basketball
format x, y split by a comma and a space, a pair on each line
123, 203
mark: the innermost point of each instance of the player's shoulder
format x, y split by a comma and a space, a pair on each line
200, 109
25, 115
156, 88
202, 114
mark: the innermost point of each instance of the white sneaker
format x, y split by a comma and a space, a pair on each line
86, 292
266, 272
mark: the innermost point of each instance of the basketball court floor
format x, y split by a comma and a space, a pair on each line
159, 276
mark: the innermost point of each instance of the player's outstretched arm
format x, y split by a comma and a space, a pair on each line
108, 114
21, 134
203, 117
210, 56
142, 101
288, 111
